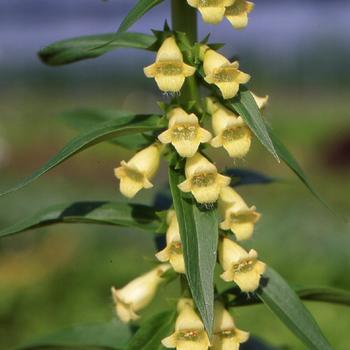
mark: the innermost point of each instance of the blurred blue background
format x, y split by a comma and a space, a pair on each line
298, 52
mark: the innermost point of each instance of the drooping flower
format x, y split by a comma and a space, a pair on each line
241, 267
231, 133
169, 70
237, 13
189, 329
138, 171
238, 217
225, 75
212, 11
137, 294
203, 179
173, 250
262, 102
184, 133
225, 334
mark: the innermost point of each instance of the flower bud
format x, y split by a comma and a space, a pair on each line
241, 267
169, 70
184, 133
237, 14
231, 133
212, 11
189, 329
138, 171
173, 250
137, 294
203, 180
225, 75
238, 217
225, 334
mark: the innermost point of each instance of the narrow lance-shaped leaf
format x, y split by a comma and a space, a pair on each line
113, 335
92, 46
141, 7
84, 119
153, 331
104, 213
199, 237
122, 126
245, 105
278, 296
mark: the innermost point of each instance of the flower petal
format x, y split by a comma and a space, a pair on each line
228, 89
212, 15
150, 71
186, 148
172, 83
169, 51
212, 61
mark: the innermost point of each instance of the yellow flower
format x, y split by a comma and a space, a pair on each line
212, 11
225, 75
173, 250
203, 180
225, 334
231, 133
184, 133
241, 267
169, 70
237, 14
238, 217
137, 294
189, 329
262, 102
137, 172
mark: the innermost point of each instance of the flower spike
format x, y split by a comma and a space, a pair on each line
137, 294
203, 180
238, 217
189, 329
169, 70
241, 267
237, 13
212, 11
184, 133
173, 250
137, 172
225, 75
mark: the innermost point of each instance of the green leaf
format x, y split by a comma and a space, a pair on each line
278, 296
291, 162
199, 237
152, 331
112, 335
122, 126
245, 105
91, 46
86, 118
141, 7
104, 213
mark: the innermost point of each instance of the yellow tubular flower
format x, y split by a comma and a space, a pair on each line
225, 75
231, 133
203, 180
237, 14
238, 217
189, 329
225, 334
212, 11
173, 250
184, 133
262, 102
137, 172
169, 70
137, 294
241, 267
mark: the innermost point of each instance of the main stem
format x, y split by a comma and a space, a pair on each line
184, 19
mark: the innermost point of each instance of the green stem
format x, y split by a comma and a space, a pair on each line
184, 19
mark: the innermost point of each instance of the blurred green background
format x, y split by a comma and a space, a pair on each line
58, 276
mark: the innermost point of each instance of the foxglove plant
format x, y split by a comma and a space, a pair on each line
208, 220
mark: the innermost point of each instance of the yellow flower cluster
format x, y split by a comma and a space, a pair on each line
213, 11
